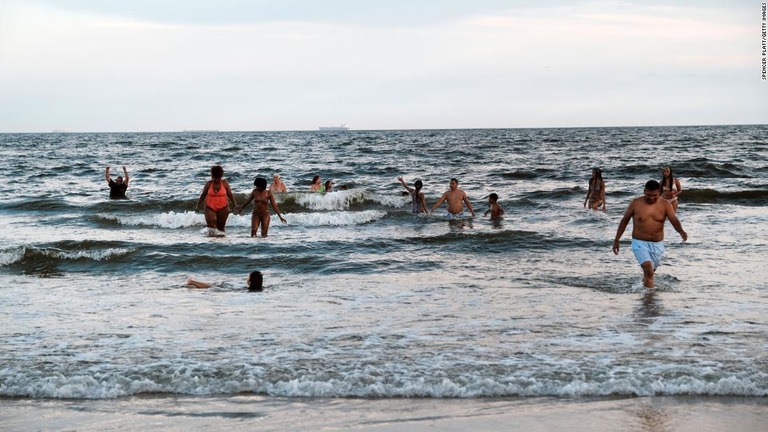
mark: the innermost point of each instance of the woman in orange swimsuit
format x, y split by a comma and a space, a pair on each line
217, 195
261, 197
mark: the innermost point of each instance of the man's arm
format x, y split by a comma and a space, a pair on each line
623, 226
106, 175
469, 204
672, 216
440, 201
125, 176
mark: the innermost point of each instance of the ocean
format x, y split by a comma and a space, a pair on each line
373, 317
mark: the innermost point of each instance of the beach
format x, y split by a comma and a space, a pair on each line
699, 414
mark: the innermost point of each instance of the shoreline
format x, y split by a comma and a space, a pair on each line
246, 412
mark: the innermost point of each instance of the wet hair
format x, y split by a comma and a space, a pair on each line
597, 175
597, 172
260, 183
494, 197
667, 182
454, 179
418, 185
255, 281
315, 179
652, 185
217, 172
328, 185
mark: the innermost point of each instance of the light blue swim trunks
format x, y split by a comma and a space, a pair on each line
456, 216
648, 251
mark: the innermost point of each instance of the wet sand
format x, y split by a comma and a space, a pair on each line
247, 412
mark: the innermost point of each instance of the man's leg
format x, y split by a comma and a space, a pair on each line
648, 272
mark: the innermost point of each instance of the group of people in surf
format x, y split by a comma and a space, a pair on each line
456, 198
648, 213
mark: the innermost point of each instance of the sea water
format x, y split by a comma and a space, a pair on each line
363, 299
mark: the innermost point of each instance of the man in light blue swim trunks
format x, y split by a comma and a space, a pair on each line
456, 200
648, 214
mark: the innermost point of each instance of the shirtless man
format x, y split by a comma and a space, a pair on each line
648, 214
456, 199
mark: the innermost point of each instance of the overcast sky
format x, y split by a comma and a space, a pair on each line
153, 65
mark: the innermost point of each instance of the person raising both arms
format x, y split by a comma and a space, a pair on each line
418, 202
670, 187
216, 194
261, 197
118, 186
648, 214
456, 198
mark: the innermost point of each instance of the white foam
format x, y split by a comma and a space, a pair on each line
11, 256
165, 220
385, 380
337, 200
335, 218
98, 255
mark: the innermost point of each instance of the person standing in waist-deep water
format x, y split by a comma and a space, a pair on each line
118, 186
255, 282
316, 186
595, 191
670, 187
456, 198
277, 185
216, 194
418, 201
261, 197
648, 214
495, 209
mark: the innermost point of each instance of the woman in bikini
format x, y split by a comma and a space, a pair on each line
261, 197
670, 187
216, 195
596, 191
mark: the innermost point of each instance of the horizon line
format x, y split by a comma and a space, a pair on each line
65, 131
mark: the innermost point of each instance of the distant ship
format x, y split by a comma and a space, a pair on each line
343, 127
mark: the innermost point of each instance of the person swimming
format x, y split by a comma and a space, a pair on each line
255, 282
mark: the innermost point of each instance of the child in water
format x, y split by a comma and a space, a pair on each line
495, 210
255, 282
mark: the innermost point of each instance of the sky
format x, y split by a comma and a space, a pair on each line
262, 65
